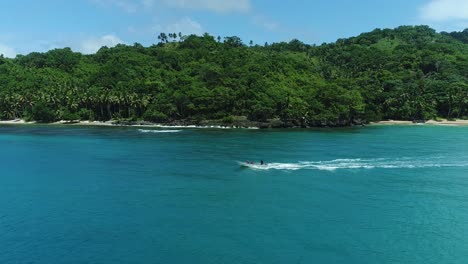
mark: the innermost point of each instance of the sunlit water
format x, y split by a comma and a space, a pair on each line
383, 194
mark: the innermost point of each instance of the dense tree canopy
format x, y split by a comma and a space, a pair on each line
410, 73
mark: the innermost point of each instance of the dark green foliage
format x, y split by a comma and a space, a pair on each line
42, 113
69, 116
410, 73
153, 114
228, 120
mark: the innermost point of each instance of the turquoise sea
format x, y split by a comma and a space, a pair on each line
378, 194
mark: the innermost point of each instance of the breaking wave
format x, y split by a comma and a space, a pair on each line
338, 164
158, 131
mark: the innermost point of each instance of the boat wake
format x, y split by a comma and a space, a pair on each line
340, 164
158, 131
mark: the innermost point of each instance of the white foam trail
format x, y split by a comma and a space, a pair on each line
355, 164
158, 131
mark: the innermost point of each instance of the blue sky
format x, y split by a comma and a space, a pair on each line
86, 25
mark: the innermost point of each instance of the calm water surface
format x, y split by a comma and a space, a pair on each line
383, 194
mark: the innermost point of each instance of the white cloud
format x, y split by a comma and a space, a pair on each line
220, 6
266, 23
130, 6
148, 3
7, 51
92, 45
187, 26
445, 10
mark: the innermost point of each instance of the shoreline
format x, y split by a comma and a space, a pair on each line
144, 124
443, 122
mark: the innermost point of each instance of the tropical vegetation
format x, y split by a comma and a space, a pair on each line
407, 73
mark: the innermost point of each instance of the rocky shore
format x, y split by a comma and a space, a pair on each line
245, 123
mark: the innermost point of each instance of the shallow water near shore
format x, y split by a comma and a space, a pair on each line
378, 194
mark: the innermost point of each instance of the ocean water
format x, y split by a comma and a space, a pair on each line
379, 194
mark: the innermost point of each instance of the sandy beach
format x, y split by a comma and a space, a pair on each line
63, 122
443, 122
15, 122
112, 124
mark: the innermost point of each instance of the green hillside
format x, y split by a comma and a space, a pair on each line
407, 73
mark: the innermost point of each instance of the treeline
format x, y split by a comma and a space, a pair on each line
408, 73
